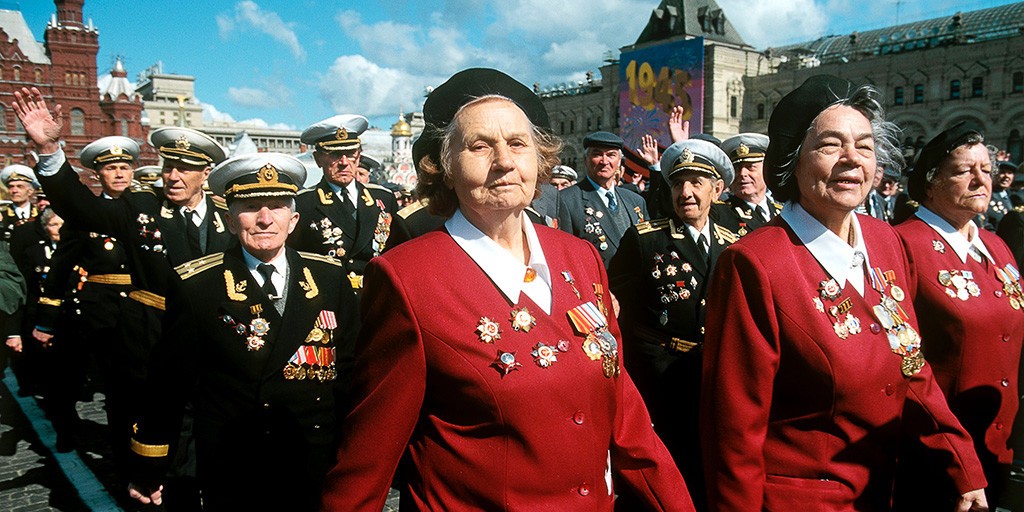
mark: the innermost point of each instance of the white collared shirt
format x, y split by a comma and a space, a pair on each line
280, 264
505, 270
695, 234
956, 241
763, 204
833, 253
23, 212
603, 192
350, 190
200, 210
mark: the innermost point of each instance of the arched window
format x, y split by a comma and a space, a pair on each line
977, 87
760, 110
67, 78
77, 121
17, 74
954, 89
897, 96
1015, 145
39, 76
3, 118
124, 127
1018, 82
918, 93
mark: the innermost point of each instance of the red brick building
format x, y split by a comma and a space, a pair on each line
63, 68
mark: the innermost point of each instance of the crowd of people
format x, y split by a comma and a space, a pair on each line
808, 319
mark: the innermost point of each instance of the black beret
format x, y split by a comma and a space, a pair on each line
790, 120
603, 140
463, 87
935, 152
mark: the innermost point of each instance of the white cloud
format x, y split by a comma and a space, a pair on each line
356, 85
427, 48
270, 94
778, 22
212, 115
584, 51
249, 14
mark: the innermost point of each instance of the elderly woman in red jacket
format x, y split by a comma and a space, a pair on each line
812, 347
488, 362
968, 283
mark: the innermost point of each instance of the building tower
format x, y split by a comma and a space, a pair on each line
121, 105
72, 47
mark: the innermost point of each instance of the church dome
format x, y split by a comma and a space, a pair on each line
401, 128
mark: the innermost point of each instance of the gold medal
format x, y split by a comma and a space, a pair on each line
897, 293
610, 366
300, 373
1014, 303
944, 278
108, 245
315, 335
522, 320
911, 364
290, 371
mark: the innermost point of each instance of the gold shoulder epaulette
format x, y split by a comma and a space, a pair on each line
141, 188
412, 208
651, 226
777, 204
1019, 209
724, 233
319, 257
220, 202
376, 186
719, 201
913, 204
198, 265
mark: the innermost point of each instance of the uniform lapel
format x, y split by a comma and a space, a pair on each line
592, 198
217, 234
172, 232
248, 297
367, 218
687, 247
329, 205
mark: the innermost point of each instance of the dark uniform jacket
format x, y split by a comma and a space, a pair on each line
742, 219
660, 277
1001, 203
264, 417
9, 220
584, 214
321, 224
33, 253
152, 230
415, 220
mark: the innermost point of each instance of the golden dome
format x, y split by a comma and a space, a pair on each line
401, 128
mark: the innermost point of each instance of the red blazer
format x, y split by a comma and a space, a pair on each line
535, 439
792, 416
974, 345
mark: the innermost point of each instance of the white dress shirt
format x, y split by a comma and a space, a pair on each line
960, 245
841, 262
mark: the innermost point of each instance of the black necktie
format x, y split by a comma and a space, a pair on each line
702, 243
192, 232
348, 211
761, 211
267, 270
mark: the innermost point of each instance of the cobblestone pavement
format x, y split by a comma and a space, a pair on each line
34, 477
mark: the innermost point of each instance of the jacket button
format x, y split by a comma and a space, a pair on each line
584, 490
875, 328
999, 426
889, 390
317, 399
1005, 382
703, 302
317, 427
578, 417
998, 293
1006, 337
266, 405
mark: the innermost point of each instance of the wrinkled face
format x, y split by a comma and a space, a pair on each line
1004, 178
692, 195
362, 175
749, 184
561, 183
603, 163
889, 187
837, 162
183, 183
340, 167
21, 191
494, 157
262, 224
115, 177
52, 228
963, 184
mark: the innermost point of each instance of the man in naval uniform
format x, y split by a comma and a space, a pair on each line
21, 185
80, 305
749, 203
341, 217
660, 276
260, 339
596, 209
1003, 197
158, 231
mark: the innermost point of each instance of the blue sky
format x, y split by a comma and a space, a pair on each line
290, 63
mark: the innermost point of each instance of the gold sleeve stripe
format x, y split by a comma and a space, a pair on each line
319, 257
150, 450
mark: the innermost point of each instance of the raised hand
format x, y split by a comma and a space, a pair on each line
649, 149
677, 128
42, 127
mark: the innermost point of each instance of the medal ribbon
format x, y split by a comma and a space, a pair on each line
587, 318
327, 320
877, 281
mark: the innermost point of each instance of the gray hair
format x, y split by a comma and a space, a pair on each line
886, 134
